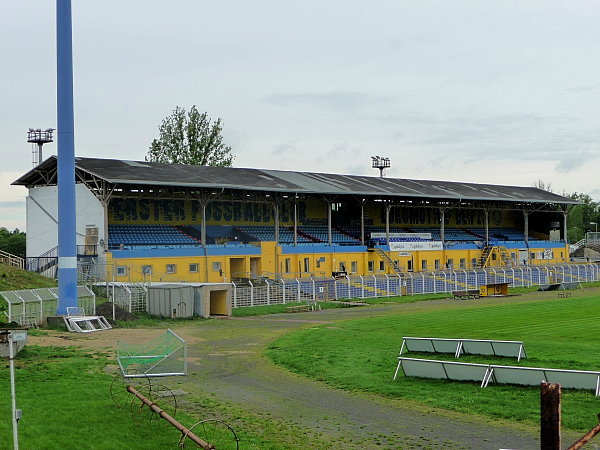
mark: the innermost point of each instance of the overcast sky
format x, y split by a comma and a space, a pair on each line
506, 92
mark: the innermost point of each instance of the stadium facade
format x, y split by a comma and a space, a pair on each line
171, 222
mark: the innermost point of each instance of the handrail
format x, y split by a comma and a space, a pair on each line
12, 260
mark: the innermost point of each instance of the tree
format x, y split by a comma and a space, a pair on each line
582, 216
12, 242
543, 185
190, 138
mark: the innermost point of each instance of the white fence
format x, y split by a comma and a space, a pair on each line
282, 291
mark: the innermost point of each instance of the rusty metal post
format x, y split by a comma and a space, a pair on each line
155, 408
587, 437
550, 420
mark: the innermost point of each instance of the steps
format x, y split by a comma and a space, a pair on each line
388, 261
487, 256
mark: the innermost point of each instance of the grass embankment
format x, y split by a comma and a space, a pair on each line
12, 278
362, 354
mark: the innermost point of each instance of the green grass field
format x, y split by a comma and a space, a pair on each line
362, 354
64, 393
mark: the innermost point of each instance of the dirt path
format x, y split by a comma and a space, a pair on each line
226, 359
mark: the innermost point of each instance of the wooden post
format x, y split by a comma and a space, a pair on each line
550, 420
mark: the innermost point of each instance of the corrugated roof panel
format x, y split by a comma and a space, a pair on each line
148, 173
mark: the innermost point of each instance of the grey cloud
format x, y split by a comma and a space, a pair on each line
12, 205
574, 162
516, 136
358, 169
335, 100
582, 88
284, 148
344, 150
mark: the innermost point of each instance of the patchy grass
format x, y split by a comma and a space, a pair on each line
405, 298
262, 310
144, 320
12, 278
361, 354
64, 395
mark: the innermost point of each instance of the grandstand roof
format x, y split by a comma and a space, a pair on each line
141, 173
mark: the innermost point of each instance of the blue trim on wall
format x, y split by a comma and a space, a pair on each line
545, 244
294, 250
185, 252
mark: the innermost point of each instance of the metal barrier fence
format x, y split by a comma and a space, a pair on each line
282, 291
30, 307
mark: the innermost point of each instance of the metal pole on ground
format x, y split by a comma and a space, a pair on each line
11, 357
156, 409
550, 416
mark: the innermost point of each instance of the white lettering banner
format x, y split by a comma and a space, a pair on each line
415, 246
402, 235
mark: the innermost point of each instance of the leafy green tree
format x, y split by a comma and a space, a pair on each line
582, 216
13, 242
190, 138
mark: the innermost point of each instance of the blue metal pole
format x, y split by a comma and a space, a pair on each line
67, 246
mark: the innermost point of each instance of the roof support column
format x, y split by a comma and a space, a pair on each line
203, 224
295, 220
362, 222
276, 219
329, 238
387, 223
203, 201
105, 224
565, 231
443, 226
486, 217
526, 226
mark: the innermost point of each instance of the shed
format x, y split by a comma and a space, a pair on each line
185, 300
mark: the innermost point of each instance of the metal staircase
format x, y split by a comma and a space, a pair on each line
576, 246
389, 262
487, 255
505, 256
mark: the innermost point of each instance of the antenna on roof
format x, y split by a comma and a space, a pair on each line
380, 162
39, 137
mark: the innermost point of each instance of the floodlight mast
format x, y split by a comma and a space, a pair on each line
381, 163
39, 137
67, 250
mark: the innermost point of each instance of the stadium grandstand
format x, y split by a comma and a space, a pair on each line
172, 222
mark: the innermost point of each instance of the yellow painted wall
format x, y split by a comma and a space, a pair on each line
221, 268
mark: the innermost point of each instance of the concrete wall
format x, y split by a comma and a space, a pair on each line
42, 217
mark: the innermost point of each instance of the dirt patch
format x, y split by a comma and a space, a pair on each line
101, 340
106, 310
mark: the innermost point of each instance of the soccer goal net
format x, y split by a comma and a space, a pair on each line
161, 357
